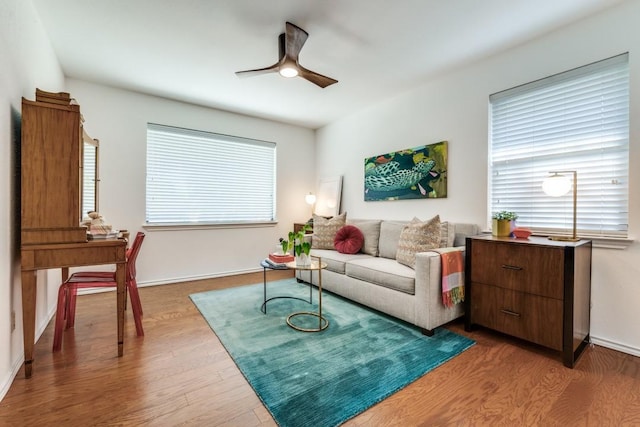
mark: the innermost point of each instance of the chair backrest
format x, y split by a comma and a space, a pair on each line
132, 254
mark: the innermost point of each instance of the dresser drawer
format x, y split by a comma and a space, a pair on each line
530, 317
533, 269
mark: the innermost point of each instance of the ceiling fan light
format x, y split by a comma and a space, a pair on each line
288, 71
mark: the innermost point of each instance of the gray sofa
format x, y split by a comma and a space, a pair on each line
374, 278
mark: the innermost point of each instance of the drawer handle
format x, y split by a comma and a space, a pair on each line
511, 267
510, 313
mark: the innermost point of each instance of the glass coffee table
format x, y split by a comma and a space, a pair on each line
316, 265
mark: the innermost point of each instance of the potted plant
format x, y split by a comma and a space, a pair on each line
503, 223
301, 247
284, 244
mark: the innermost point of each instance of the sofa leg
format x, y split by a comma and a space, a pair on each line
300, 280
427, 332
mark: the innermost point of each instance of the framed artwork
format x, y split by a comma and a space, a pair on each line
328, 198
414, 173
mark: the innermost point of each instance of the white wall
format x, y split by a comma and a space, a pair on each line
119, 120
26, 62
454, 107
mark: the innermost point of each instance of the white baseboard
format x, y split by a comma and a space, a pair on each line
5, 385
174, 280
615, 346
197, 277
6, 382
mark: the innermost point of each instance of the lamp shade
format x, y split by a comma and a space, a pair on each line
310, 199
556, 185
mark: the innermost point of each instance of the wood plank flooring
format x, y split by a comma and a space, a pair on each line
179, 374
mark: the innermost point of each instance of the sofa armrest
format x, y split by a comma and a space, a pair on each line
449, 249
427, 262
428, 286
425, 259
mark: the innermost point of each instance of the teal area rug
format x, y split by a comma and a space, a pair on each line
324, 378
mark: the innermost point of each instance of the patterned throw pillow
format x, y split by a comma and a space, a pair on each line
325, 230
418, 236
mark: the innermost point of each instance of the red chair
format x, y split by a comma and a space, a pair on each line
66, 309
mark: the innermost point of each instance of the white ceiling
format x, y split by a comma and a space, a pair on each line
188, 50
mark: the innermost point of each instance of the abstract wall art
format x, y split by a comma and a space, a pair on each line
414, 173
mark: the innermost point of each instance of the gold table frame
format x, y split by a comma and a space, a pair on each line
323, 323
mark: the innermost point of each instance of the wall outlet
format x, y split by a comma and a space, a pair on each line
13, 320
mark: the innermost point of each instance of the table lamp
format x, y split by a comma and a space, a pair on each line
558, 184
311, 200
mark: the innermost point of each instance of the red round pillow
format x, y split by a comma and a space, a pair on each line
349, 240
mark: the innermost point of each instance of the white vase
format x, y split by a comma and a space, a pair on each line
303, 260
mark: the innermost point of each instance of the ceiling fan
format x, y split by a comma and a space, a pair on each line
290, 43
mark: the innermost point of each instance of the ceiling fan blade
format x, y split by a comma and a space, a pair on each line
249, 73
295, 37
313, 77
290, 43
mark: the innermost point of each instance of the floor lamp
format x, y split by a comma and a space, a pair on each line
558, 184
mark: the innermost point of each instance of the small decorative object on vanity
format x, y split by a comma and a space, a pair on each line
97, 228
503, 223
521, 233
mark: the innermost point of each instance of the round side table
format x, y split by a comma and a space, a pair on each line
323, 323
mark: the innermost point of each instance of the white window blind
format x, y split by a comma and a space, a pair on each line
577, 120
196, 177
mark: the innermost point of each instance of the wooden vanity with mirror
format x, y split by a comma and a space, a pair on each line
54, 149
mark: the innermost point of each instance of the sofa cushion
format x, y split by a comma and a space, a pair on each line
448, 234
418, 236
324, 230
389, 237
464, 230
371, 231
383, 272
348, 240
335, 260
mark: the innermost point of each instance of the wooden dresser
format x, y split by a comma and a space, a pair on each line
535, 289
51, 199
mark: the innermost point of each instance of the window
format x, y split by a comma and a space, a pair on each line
196, 177
577, 120
90, 177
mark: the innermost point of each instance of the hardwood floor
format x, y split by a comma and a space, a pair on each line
179, 374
